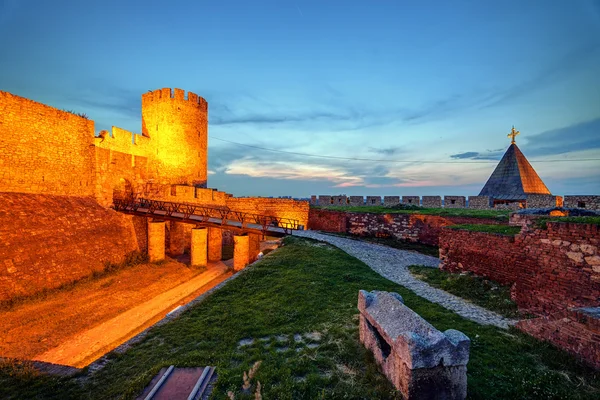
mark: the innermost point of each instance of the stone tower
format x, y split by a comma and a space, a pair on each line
178, 128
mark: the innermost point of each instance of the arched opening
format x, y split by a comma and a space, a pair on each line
123, 190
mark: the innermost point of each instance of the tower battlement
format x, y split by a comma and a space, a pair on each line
176, 95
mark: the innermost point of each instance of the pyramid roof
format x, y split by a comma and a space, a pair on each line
514, 178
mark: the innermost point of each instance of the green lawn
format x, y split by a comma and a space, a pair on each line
480, 291
576, 220
501, 229
308, 287
501, 215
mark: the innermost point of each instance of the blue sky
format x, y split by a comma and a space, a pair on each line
423, 81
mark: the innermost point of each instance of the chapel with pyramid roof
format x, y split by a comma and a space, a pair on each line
514, 178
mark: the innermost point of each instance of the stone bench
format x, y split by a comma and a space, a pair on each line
420, 361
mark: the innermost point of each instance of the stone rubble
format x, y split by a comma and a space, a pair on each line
391, 264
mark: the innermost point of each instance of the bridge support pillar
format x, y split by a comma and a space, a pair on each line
156, 240
241, 251
215, 244
199, 247
177, 238
254, 245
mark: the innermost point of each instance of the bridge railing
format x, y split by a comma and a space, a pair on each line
224, 214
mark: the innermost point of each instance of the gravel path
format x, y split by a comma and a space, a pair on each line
391, 263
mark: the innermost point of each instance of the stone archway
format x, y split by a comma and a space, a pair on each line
123, 190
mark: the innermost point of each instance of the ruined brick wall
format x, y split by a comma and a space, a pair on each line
479, 202
48, 241
44, 150
414, 227
576, 331
327, 220
587, 202
552, 269
281, 208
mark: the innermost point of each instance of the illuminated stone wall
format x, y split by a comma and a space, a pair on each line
48, 241
282, 208
44, 150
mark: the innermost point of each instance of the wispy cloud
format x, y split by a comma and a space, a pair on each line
582, 136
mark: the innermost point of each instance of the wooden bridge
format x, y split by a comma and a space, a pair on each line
220, 217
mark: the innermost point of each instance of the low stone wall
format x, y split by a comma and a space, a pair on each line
48, 241
339, 200
420, 361
575, 330
551, 269
390, 201
357, 201
587, 202
373, 200
544, 201
479, 202
432, 202
454, 202
324, 200
411, 200
413, 227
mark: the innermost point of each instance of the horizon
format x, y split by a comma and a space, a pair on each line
334, 82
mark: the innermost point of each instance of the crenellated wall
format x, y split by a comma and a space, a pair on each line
474, 202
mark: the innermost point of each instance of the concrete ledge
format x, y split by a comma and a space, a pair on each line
419, 360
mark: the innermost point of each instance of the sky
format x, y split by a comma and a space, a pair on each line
423, 93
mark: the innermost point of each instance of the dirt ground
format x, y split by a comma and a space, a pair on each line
36, 326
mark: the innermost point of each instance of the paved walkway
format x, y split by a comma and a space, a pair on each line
391, 263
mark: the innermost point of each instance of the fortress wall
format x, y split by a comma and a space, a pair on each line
552, 269
118, 172
282, 208
587, 202
49, 241
125, 142
479, 202
44, 150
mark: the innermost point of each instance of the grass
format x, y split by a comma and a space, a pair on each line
500, 215
541, 222
305, 287
483, 292
395, 243
500, 229
131, 259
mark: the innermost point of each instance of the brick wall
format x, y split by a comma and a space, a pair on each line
48, 241
414, 227
553, 269
281, 208
44, 150
576, 331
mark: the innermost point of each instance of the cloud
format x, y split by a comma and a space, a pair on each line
577, 137
387, 151
475, 155
469, 154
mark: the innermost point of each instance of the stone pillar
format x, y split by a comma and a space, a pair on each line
254, 246
241, 251
156, 240
199, 247
215, 244
177, 238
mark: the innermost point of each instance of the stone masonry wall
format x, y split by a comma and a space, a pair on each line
432, 201
48, 241
411, 200
587, 202
413, 227
281, 208
454, 202
390, 201
544, 201
552, 269
44, 150
479, 202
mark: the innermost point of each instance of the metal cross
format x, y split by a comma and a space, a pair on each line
512, 134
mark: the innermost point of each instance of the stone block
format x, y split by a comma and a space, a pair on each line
156, 240
390, 201
454, 201
543, 201
324, 200
339, 200
357, 201
313, 200
420, 361
479, 202
199, 247
587, 202
411, 200
373, 200
432, 201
